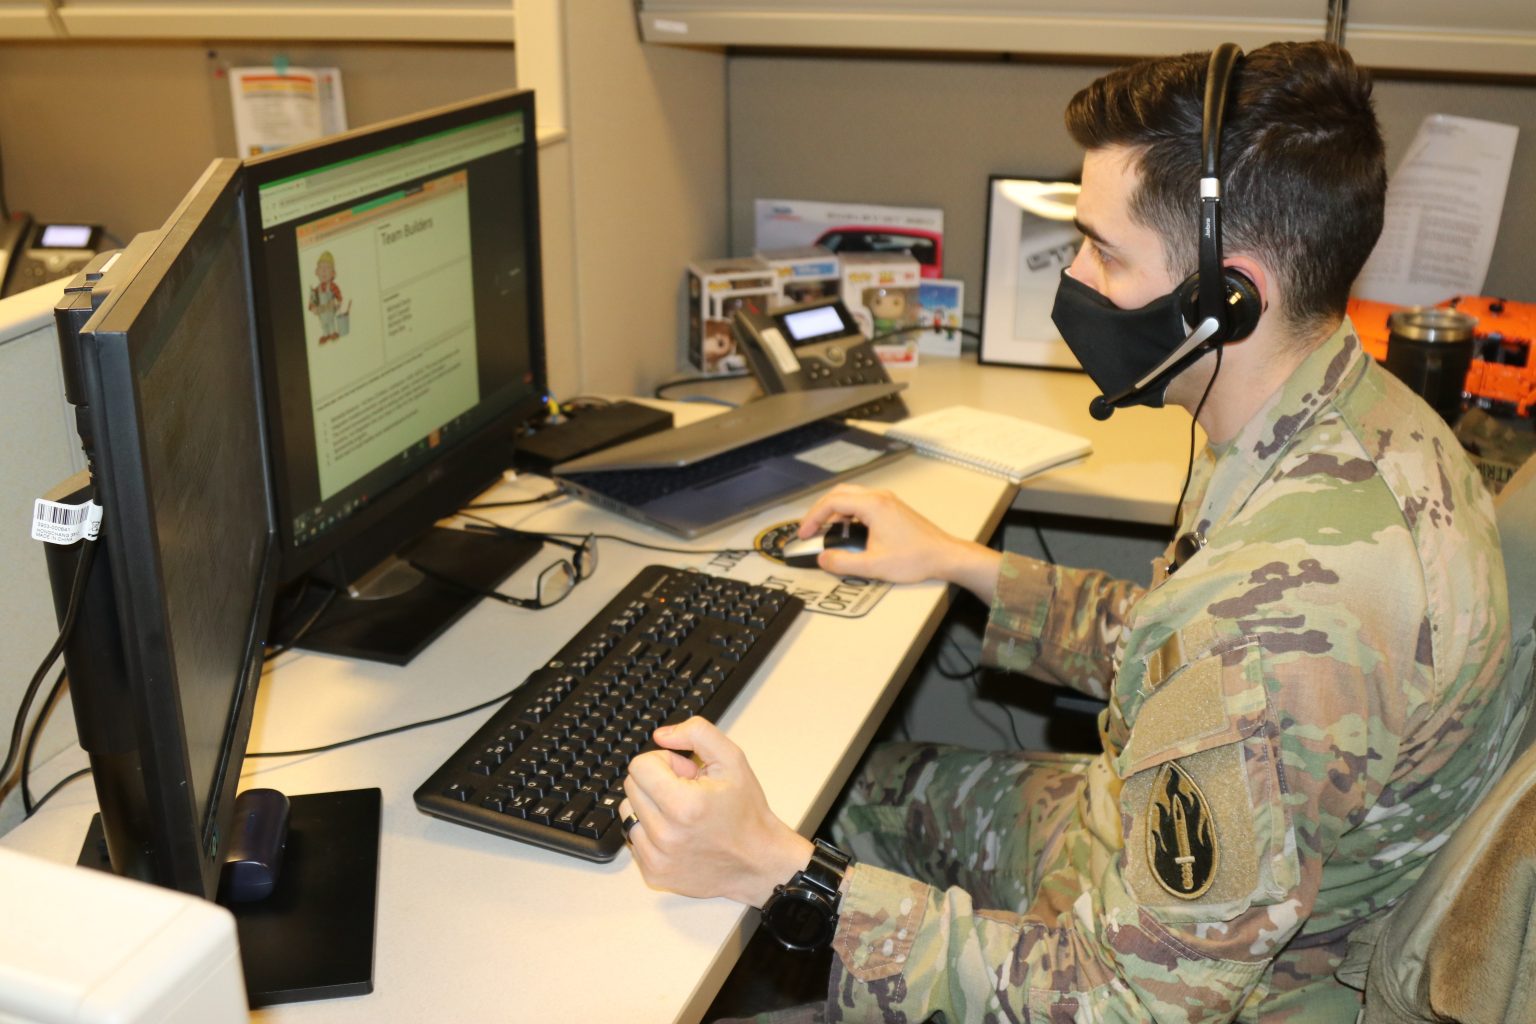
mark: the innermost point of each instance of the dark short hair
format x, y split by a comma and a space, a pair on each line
1303, 168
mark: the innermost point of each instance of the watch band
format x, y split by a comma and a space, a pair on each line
802, 913
825, 871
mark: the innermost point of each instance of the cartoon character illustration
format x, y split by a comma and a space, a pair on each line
325, 298
888, 308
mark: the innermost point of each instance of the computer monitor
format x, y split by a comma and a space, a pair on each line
398, 297
164, 660
159, 357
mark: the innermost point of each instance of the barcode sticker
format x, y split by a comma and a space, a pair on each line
57, 523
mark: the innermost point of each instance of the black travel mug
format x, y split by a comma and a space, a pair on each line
1430, 350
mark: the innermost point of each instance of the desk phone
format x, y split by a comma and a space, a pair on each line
813, 345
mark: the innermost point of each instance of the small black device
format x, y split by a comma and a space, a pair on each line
548, 768
1220, 304
813, 345
802, 913
585, 432
32, 254
259, 837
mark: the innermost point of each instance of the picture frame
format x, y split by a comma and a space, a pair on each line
1031, 238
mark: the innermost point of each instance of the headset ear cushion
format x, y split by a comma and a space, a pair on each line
1243, 303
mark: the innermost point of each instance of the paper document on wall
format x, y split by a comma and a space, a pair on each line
1443, 208
277, 107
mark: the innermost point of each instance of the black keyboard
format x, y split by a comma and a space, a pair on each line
548, 768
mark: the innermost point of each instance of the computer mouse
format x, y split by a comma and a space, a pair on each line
845, 535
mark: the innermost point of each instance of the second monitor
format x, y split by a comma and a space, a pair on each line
398, 302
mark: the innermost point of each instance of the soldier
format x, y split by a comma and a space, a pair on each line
1301, 707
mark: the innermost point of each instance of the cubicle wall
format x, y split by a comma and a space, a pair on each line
928, 132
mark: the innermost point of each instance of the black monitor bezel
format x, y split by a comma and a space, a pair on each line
465, 468
186, 847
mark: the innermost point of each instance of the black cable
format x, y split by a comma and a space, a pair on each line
382, 732
669, 385
43, 714
76, 591
483, 525
283, 646
1189, 471
66, 780
1045, 548
914, 328
551, 496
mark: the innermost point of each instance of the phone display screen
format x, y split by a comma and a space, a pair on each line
807, 325
65, 236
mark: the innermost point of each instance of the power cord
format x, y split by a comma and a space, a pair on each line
915, 328
72, 611
482, 525
660, 390
283, 646
382, 732
43, 714
79, 773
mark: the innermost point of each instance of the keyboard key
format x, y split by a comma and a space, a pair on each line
596, 823
571, 814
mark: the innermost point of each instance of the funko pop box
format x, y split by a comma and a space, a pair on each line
880, 291
804, 274
716, 290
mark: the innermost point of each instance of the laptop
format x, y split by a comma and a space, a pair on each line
694, 479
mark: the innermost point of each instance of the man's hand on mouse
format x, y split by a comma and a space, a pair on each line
703, 825
903, 547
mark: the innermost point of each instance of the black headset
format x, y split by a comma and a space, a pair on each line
1221, 304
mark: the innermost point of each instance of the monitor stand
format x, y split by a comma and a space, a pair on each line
394, 612
313, 936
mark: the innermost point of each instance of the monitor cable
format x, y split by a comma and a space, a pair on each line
325, 748
28, 807
661, 389
482, 525
72, 611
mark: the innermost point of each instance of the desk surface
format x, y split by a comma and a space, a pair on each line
475, 927
472, 926
1139, 454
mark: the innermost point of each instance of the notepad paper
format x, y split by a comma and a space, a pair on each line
993, 442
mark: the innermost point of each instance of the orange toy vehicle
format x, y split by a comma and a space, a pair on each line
1502, 377
1503, 374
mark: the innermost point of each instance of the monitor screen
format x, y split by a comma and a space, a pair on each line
177, 453
398, 300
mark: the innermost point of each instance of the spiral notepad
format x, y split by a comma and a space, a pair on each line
993, 442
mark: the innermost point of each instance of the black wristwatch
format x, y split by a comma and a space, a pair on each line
802, 913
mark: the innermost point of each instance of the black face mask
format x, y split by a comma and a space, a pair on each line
1119, 347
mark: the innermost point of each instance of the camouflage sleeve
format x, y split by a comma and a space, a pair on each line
1189, 865
1057, 624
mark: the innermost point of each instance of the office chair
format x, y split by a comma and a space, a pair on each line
1461, 946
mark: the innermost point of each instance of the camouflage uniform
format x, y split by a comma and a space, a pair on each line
1297, 719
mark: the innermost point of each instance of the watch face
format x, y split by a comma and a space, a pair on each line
800, 919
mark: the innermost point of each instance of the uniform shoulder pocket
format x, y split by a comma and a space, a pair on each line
1207, 833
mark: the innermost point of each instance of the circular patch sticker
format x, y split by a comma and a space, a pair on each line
770, 542
1181, 834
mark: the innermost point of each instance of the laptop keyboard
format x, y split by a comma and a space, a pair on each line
635, 487
548, 767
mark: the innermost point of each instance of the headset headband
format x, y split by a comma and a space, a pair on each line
1218, 81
